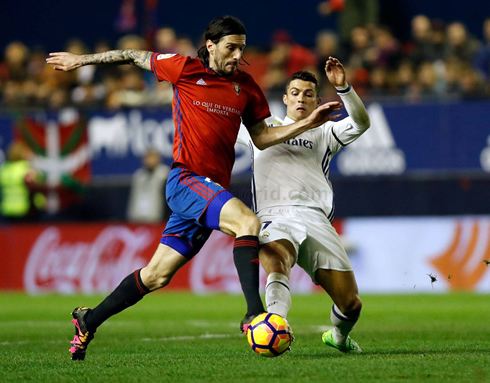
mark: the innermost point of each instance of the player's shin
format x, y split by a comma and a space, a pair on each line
343, 325
130, 291
246, 257
277, 294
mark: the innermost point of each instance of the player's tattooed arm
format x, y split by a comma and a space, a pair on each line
257, 129
66, 62
264, 136
128, 56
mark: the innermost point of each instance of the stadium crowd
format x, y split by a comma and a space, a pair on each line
439, 62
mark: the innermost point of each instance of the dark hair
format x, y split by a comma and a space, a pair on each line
218, 28
304, 76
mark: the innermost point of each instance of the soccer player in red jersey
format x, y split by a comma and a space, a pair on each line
211, 98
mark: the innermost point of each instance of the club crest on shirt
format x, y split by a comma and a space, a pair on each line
165, 56
237, 88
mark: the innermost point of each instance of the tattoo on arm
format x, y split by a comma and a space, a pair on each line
128, 56
257, 128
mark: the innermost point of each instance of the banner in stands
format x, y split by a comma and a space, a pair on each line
389, 255
402, 138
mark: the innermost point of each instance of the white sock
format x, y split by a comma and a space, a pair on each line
277, 294
342, 325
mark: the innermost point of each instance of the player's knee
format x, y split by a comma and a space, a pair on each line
249, 224
156, 279
352, 306
281, 265
275, 260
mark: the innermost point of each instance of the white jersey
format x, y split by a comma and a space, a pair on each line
295, 172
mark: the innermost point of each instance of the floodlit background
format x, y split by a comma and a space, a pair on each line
412, 195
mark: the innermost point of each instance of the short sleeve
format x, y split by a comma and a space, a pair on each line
167, 67
257, 108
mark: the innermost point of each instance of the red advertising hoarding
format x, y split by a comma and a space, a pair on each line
93, 258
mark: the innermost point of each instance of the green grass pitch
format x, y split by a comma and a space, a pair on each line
180, 337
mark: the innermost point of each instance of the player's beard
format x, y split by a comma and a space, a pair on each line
221, 66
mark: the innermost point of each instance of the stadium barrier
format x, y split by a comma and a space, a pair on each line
388, 255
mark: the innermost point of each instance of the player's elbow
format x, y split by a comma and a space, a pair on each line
364, 123
260, 144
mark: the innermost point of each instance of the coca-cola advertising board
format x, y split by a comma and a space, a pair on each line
94, 258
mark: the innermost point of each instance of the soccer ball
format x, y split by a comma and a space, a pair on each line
269, 335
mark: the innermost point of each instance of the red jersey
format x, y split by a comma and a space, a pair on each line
207, 111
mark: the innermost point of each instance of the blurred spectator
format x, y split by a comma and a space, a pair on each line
423, 41
166, 40
379, 83
427, 81
362, 55
285, 58
292, 56
147, 198
185, 47
404, 78
326, 46
131, 42
132, 93
18, 182
482, 62
452, 73
16, 62
351, 14
58, 99
460, 44
275, 80
472, 87
386, 48
438, 39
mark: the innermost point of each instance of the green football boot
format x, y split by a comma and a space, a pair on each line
349, 347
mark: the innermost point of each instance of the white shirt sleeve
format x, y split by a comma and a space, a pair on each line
350, 128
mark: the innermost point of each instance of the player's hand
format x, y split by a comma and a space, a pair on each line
323, 113
64, 61
335, 72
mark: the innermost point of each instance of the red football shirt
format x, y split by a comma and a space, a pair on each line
207, 111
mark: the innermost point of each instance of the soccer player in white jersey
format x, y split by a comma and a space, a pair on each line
294, 200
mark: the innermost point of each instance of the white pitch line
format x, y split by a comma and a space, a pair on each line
188, 337
314, 329
20, 342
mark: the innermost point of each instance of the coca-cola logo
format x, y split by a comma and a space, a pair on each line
90, 267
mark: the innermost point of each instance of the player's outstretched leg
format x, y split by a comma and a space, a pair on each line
157, 274
342, 288
239, 221
130, 291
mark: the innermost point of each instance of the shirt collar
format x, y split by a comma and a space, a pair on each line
288, 120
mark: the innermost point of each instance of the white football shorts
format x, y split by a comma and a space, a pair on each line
315, 240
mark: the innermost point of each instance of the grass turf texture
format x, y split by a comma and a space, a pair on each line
180, 337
